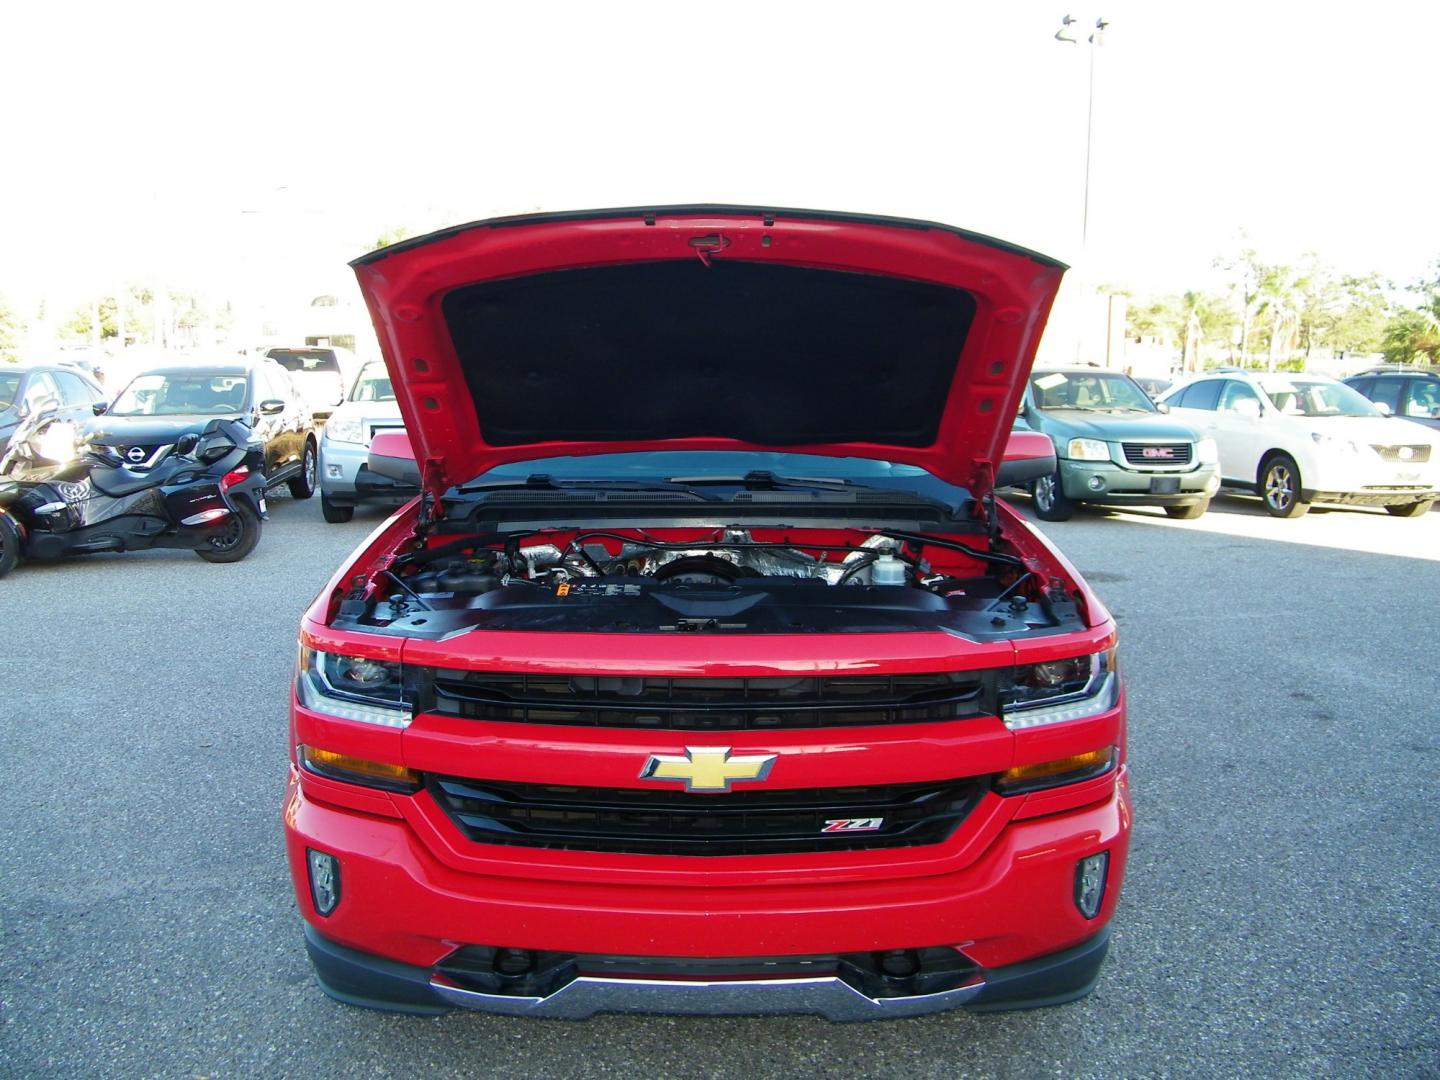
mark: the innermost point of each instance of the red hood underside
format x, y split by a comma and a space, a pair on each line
708, 329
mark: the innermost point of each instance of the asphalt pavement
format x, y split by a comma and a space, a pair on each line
1279, 917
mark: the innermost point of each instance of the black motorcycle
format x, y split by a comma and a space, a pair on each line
206, 493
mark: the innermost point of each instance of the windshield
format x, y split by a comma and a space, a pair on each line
698, 466
181, 395
9, 387
1315, 397
303, 360
373, 385
1099, 391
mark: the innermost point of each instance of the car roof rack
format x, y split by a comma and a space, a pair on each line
1400, 369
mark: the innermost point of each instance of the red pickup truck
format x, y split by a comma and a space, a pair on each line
707, 674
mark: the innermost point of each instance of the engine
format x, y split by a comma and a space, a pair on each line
734, 556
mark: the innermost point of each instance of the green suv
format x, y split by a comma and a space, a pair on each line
1115, 447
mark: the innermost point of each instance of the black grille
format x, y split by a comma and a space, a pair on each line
1418, 452
1154, 455
666, 822
711, 704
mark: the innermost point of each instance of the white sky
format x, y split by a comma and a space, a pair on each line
133, 136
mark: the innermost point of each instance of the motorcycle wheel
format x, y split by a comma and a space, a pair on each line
235, 539
9, 544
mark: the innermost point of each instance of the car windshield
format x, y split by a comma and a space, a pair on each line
304, 360
1089, 391
9, 387
1315, 397
373, 385
179, 395
700, 467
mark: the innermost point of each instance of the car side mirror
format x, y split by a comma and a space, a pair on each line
391, 456
1383, 408
1161, 406
99, 407
186, 444
1029, 455
272, 406
1248, 407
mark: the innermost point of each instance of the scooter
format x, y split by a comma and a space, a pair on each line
205, 493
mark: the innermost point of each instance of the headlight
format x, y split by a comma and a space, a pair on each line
1059, 690
1207, 452
1330, 442
353, 688
1088, 450
344, 429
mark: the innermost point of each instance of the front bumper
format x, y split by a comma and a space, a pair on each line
1374, 496
1107, 482
358, 978
404, 913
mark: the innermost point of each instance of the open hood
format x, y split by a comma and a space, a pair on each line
708, 328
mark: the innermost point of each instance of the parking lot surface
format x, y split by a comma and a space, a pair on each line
1280, 911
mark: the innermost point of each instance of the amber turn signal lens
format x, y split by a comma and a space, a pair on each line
355, 770
1066, 770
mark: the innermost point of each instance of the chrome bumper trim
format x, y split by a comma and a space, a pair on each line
827, 996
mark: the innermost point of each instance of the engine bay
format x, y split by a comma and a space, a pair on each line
707, 579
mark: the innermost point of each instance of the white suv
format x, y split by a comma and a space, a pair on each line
1298, 439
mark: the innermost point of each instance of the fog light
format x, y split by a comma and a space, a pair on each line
1095, 483
324, 880
1090, 874
334, 472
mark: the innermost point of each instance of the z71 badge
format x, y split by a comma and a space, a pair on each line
856, 824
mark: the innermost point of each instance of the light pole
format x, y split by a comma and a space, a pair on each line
1096, 38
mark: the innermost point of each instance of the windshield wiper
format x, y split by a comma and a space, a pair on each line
545, 482
765, 480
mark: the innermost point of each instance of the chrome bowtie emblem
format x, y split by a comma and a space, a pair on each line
707, 768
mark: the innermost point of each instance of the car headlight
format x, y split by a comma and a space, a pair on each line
1074, 688
1088, 450
344, 429
1207, 452
1330, 442
353, 688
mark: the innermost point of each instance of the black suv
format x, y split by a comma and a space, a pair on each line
146, 418
1409, 392
27, 387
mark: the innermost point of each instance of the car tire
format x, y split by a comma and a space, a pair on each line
1280, 487
1051, 502
302, 484
333, 512
238, 538
1411, 510
1188, 512
9, 544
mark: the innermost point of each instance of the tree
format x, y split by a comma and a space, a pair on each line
1413, 334
9, 333
392, 235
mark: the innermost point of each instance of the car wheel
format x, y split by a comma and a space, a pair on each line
235, 539
302, 486
333, 512
1189, 512
1051, 502
1415, 509
9, 544
1280, 487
